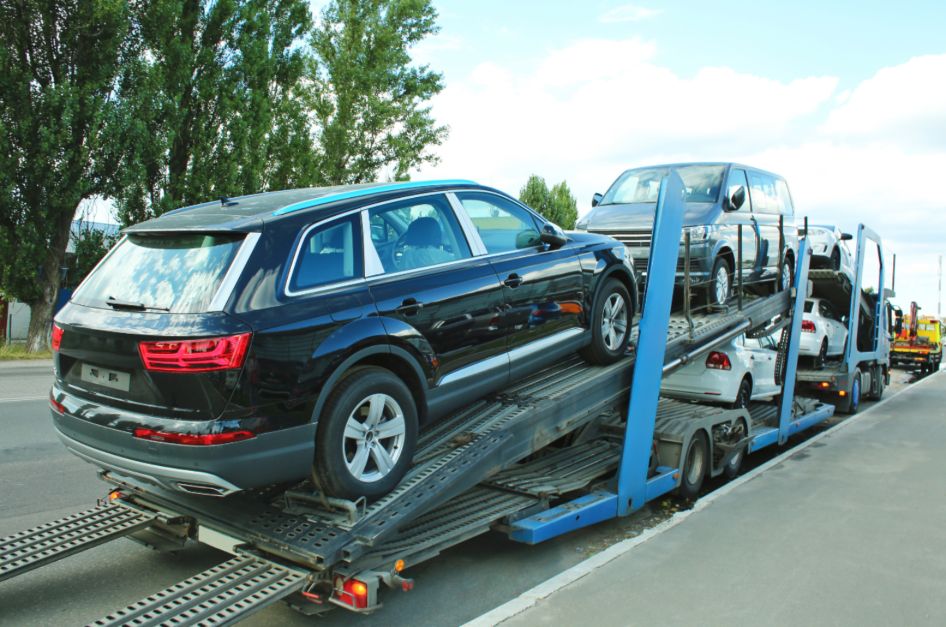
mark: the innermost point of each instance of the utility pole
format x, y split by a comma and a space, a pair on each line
939, 290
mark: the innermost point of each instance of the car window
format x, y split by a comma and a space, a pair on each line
701, 183
330, 253
826, 310
502, 224
738, 177
764, 197
784, 198
417, 233
177, 272
809, 306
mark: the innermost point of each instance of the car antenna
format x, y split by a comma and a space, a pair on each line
226, 202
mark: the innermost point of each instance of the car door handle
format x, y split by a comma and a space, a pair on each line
409, 307
513, 280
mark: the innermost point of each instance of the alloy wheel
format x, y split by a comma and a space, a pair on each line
721, 285
374, 438
614, 322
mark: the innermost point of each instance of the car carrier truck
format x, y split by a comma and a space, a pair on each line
919, 344
567, 448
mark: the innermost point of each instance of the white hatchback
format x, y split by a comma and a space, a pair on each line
823, 334
736, 373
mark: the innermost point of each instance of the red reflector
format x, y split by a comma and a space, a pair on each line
56, 337
807, 326
193, 439
205, 355
56, 404
353, 593
718, 361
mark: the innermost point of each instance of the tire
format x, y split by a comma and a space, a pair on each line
610, 324
851, 403
822, 357
343, 443
720, 288
879, 385
695, 464
731, 470
836, 259
743, 395
785, 276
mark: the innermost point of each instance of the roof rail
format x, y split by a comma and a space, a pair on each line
366, 191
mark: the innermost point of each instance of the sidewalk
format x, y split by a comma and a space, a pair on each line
849, 531
25, 380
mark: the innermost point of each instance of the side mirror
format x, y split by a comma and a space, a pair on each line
553, 236
846, 237
596, 199
735, 196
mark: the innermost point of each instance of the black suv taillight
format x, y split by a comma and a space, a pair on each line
203, 355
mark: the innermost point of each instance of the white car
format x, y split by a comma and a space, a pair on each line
823, 334
829, 248
734, 374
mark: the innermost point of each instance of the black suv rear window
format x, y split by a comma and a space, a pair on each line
179, 273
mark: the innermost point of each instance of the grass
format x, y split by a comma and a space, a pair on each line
10, 352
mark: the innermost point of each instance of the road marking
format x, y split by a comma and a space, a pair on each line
531, 597
23, 399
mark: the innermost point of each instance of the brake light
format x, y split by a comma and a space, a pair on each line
807, 326
59, 407
192, 439
204, 355
352, 592
718, 361
56, 337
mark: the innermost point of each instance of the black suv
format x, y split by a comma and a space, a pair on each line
255, 340
720, 197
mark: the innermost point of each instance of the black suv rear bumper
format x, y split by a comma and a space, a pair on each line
218, 470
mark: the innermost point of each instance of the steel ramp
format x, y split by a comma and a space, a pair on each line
221, 595
61, 538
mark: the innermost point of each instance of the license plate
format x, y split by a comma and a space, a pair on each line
108, 378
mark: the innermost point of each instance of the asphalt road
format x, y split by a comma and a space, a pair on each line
40, 481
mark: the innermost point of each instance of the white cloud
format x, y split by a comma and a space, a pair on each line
627, 13
903, 103
587, 111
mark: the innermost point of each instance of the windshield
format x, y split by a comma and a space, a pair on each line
177, 273
702, 183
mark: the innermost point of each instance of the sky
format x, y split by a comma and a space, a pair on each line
846, 100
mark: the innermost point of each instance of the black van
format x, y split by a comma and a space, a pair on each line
719, 197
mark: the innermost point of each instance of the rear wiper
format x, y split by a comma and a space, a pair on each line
114, 303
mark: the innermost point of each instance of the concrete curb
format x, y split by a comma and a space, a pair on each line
531, 597
26, 365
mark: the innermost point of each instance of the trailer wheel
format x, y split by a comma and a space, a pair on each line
695, 464
851, 402
731, 470
610, 324
879, 385
366, 436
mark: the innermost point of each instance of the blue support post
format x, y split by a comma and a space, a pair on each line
651, 348
800, 293
852, 354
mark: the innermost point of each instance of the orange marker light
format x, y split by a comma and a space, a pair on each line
842, 393
825, 385
398, 566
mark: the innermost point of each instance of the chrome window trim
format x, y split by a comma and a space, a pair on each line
295, 258
477, 247
475, 243
373, 265
237, 266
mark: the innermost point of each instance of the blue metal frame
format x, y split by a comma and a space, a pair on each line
633, 488
853, 355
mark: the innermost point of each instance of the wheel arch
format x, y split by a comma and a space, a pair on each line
392, 358
625, 277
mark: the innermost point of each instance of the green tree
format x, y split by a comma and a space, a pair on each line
557, 204
213, 104
369, 101
59, 60
91, 244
